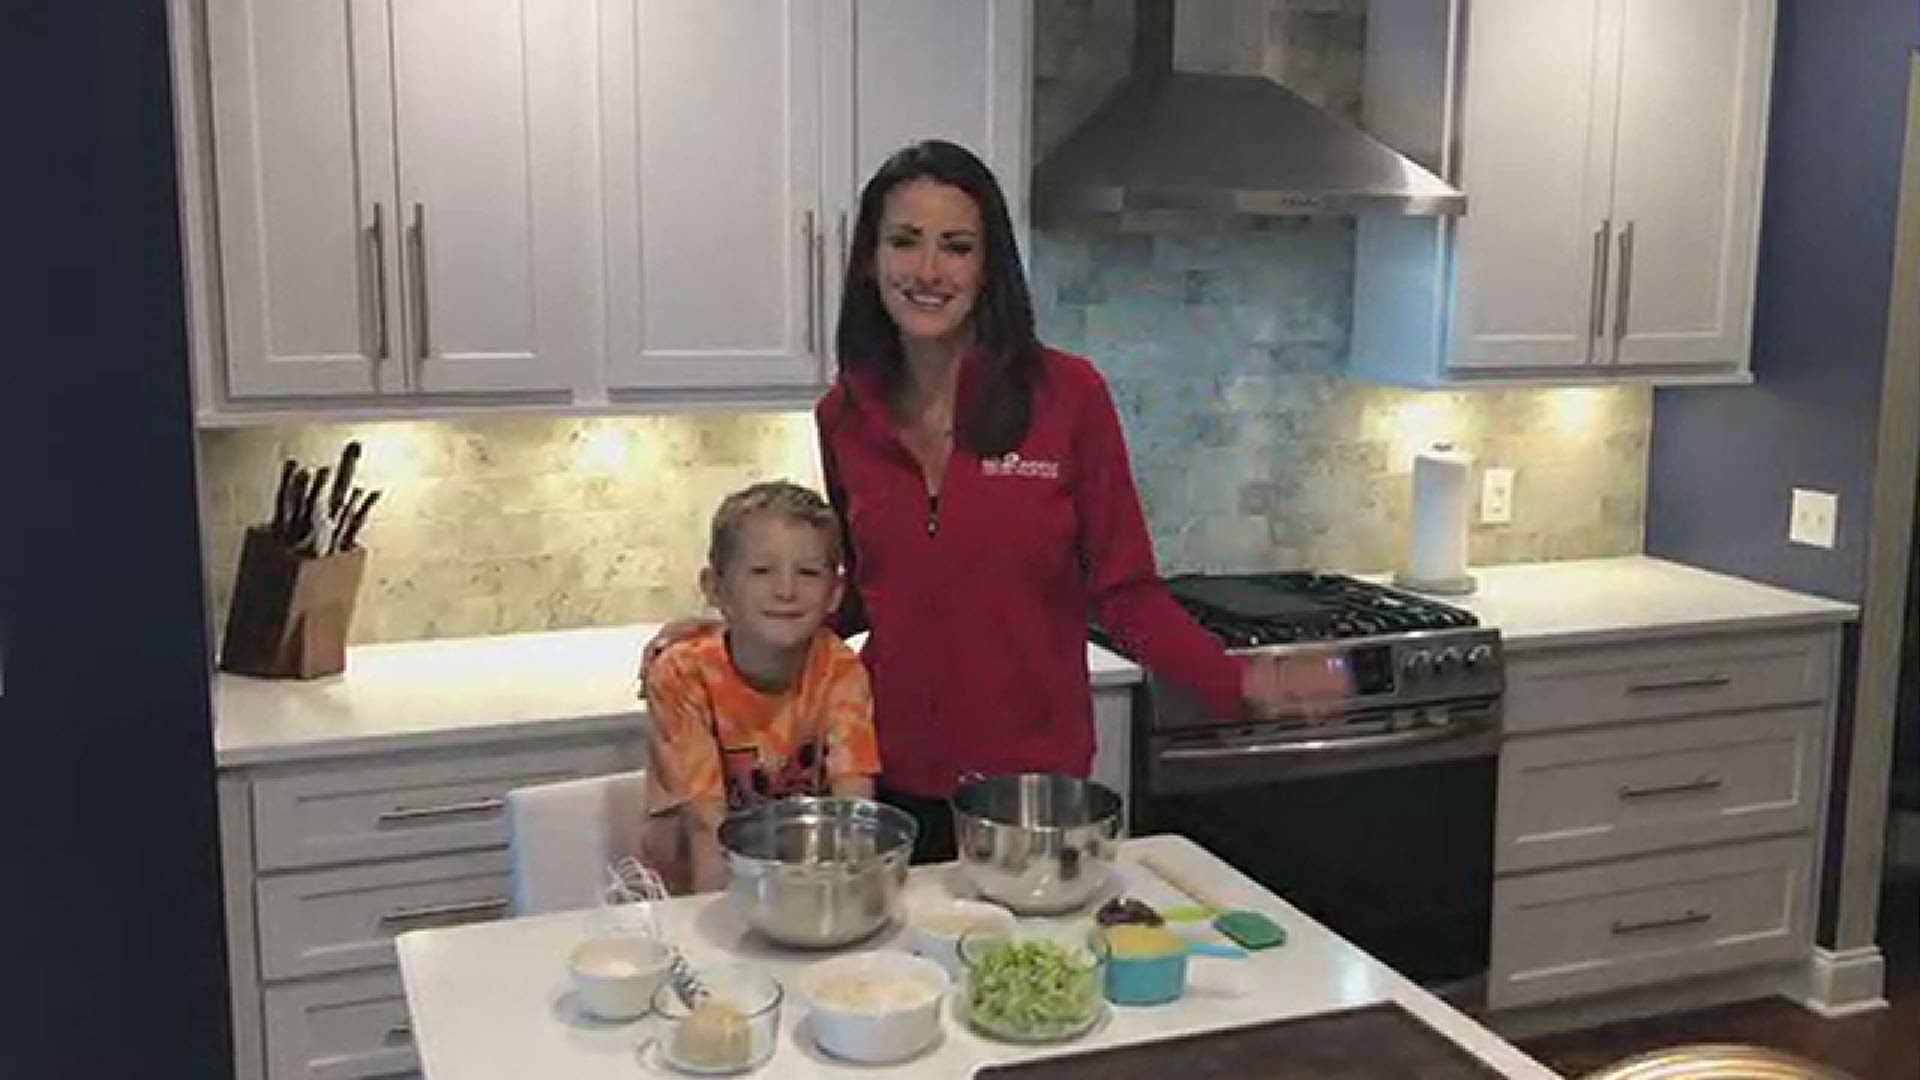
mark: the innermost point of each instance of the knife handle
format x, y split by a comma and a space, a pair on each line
343, 479
297, 506
350, 537
280, 492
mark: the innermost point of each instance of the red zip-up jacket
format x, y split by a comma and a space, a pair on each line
978, 602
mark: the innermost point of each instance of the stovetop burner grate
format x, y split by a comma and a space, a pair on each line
1250, 610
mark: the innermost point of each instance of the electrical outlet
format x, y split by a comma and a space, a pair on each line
1496, 496
1815, 516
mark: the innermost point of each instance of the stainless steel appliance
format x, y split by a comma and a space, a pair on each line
1036, 842
819, 872
1376, 819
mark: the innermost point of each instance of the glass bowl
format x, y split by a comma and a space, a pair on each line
1032, 985
733, 1030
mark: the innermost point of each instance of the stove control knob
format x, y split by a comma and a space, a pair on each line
1479, 656
1447, 662
1417, 664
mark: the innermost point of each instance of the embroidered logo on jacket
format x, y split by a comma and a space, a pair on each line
1024, 468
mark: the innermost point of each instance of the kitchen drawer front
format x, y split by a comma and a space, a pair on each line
351, 811
1641, 788
316, 922
1566, 933
1676, 677
351, 1028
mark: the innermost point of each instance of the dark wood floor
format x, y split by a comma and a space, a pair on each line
1883, 1045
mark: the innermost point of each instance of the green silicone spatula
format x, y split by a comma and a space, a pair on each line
1247, 929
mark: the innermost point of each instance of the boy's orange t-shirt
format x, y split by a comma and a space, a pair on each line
712, 734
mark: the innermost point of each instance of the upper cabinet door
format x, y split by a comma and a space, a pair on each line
1692, 92
934, 69
901, 71
495, 108
303, 175
715, 253
1536, 167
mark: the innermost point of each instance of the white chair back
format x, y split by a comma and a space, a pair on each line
562, 836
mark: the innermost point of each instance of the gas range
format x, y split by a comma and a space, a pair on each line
1376, 817
1413, 661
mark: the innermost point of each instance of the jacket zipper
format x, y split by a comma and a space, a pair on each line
933, 512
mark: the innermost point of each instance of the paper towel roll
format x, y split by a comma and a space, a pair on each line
1437, 555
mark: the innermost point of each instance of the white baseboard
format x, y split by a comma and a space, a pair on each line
1845, 983
1576, 1014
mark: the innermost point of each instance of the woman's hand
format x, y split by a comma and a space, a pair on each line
677, 630
1287, 685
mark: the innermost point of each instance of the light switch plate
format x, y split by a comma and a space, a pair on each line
1816, 515
1496, 496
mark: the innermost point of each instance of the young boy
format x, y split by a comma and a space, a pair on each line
766, 705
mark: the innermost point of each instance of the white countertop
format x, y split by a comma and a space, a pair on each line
1591, 601
422, 694
492, 1000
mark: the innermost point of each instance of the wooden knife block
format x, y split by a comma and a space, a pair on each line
290, 614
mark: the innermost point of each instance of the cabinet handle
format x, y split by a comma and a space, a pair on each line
416, 813
1704, 682
1597, 296
417, 248
377, 240
1672, 922
811, 239
444, 911
840, 231
401, 1030
1624, 290
1704, 783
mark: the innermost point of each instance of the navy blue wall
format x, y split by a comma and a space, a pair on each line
110, 921
1724, 459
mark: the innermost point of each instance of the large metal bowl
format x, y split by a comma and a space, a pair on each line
1038, 843
818, 872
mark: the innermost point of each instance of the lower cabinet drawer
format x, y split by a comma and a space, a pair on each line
418, 804
1566, 933
1588, 687
348, 1028
316, 922
1637, 789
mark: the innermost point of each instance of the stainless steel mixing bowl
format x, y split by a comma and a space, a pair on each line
818, 872
1037, 842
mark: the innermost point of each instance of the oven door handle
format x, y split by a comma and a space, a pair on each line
1389, 740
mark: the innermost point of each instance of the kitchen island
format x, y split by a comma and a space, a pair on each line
492, 1000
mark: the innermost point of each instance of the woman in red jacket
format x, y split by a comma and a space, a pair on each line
987, 496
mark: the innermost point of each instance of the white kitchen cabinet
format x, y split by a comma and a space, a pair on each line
397, 196
1536, 171
732, 195
1687, 178
1659, 809
326, 859
712, 173
404, 208
495, 210
302, 114
1113, 743
1611, 152
933, 69
901, 71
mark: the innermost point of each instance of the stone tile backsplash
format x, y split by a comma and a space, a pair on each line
512, 523
1223, 348
1250, 448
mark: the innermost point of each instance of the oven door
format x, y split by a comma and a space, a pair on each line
1385, 836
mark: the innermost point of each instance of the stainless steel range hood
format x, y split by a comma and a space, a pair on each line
1175, 144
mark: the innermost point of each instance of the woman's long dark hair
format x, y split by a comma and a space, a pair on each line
994, 420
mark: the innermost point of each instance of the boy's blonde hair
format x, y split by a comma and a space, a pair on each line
788, 501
